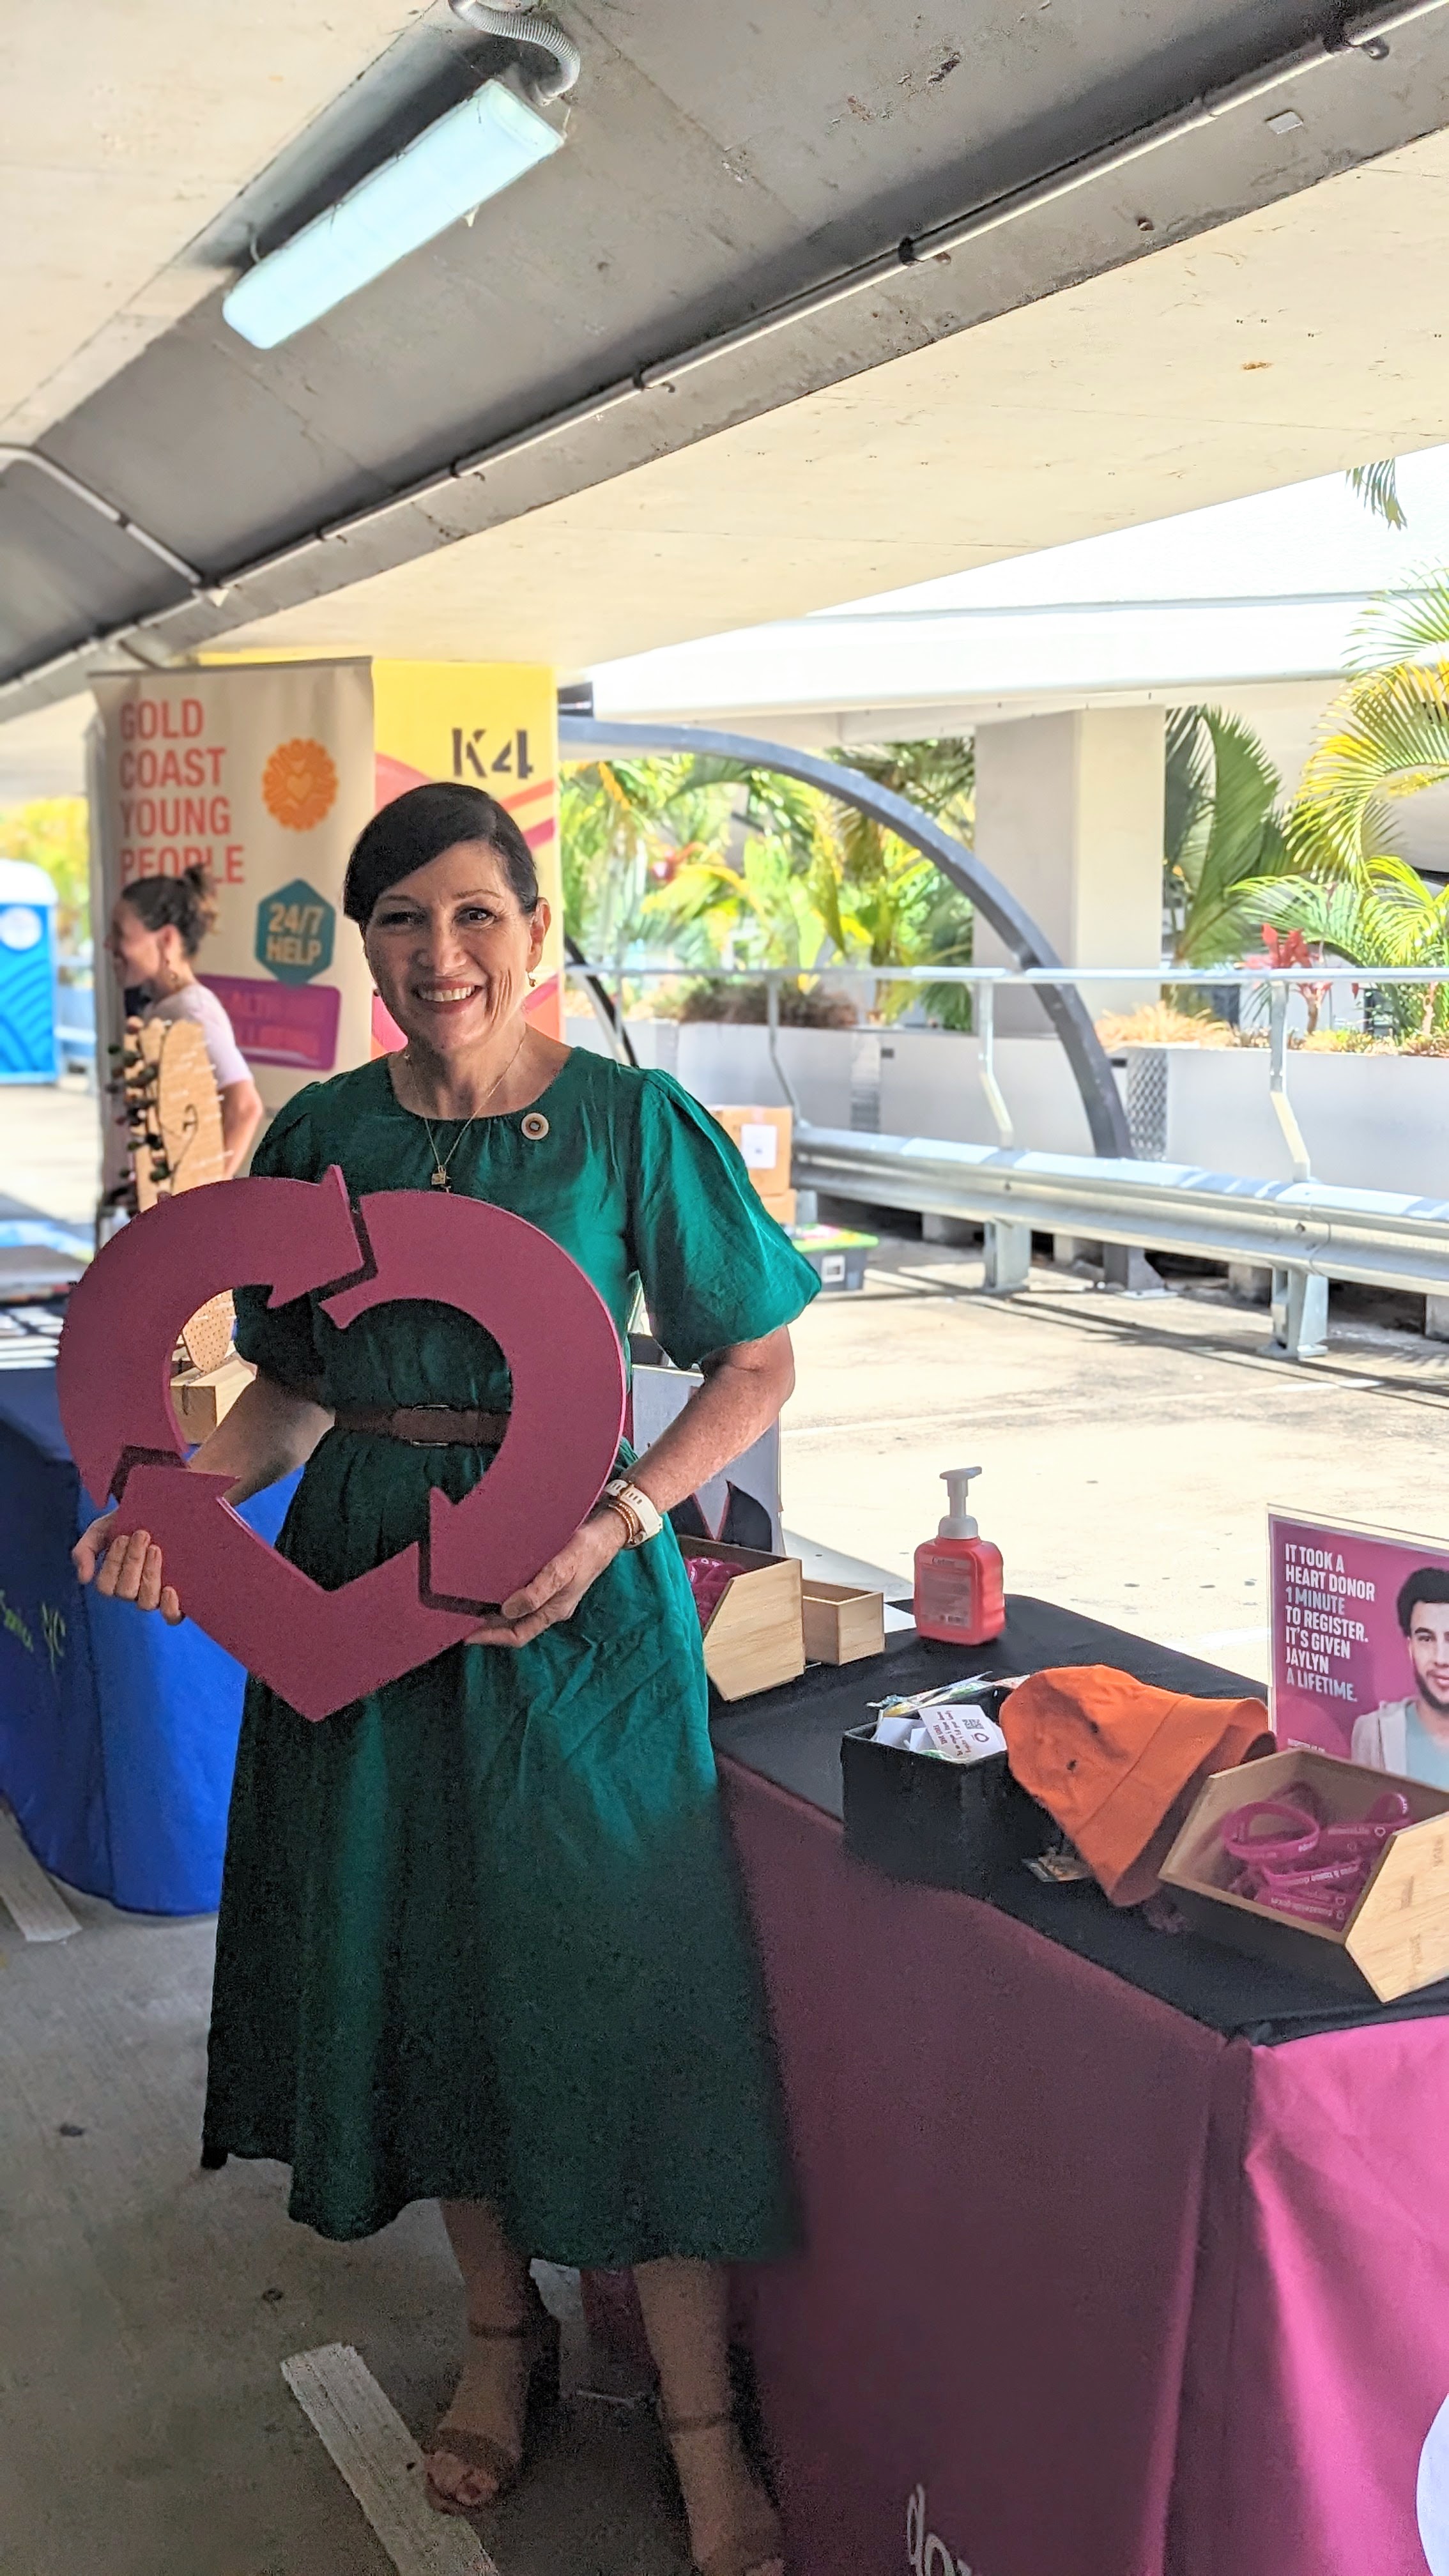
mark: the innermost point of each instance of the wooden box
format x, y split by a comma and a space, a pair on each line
1397, 1937
204, 1397
753, 1637
841, 1624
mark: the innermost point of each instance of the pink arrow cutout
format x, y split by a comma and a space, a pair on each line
113, 1369
558, 1338
320, 1650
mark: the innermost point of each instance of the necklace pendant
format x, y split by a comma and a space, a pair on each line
440, 1179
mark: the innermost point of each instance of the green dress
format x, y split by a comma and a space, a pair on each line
480, 1935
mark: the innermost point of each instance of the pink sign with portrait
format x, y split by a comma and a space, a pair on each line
1361, 1644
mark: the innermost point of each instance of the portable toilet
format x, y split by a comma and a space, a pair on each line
27, 973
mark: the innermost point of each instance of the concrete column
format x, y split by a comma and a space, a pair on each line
1069, 814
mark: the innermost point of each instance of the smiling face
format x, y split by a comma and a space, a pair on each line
451, 950
141, 956
1429, 1653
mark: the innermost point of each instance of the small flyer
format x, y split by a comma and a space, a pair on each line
1360, 1629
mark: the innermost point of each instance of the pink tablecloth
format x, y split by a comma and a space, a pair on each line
1088, 2290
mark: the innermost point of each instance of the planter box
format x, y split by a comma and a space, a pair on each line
754, 1633
1371, 1122
1397, 1937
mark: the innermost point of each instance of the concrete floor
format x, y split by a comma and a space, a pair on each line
1130, 1446
50, 1149
1130, 1449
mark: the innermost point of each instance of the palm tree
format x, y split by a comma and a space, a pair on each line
1383, 915
1224, 835
737, 865
1389, 740
1377, 486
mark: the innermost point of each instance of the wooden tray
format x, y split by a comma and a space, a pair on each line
841, 1623
1397, 1937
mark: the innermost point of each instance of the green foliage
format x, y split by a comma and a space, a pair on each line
730, 865
52, 832
1377, 487
1382, 915
1389, 740
1403, 623
1224, 836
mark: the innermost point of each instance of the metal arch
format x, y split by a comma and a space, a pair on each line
610, 1019
1101, 1100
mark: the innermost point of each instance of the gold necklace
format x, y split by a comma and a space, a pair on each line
440, 1180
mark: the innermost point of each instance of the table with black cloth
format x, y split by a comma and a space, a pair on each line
117, 1734
1124, 2255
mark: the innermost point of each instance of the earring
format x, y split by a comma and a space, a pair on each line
533, 979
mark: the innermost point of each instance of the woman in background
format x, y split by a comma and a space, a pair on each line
156, 929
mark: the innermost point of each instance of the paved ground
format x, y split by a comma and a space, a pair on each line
50, 1147
1130, 1450
1130, 1447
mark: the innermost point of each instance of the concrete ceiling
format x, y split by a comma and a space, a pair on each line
1146, 343
1282, 345
125, 131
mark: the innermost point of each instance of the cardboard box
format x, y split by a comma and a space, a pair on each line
1397, 1937
754, 1636
781, 1207
841, 1624
764, 1137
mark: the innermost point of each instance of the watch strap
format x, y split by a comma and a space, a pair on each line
642, 1518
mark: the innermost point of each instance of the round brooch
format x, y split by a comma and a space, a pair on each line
535, 1125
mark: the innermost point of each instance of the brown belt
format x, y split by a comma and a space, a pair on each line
425, 1426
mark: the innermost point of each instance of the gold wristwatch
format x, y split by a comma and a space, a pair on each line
642, 1519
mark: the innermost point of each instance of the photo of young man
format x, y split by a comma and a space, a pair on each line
1411, 1736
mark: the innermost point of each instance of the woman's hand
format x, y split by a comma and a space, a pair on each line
125, 1569
558, 1588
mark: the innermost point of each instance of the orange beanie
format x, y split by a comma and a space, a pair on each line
1118, 1763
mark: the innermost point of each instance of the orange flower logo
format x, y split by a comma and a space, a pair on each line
299, 784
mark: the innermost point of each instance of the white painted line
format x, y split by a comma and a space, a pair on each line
371, 2448
35, 1906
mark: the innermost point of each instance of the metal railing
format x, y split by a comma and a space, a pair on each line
984, 982
1303, 1231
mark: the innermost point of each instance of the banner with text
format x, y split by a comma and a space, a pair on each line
492, 725
262, 774
1361, 1644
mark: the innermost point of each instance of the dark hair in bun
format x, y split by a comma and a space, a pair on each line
419, 826
186, 903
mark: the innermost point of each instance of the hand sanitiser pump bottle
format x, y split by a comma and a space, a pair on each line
959, 1598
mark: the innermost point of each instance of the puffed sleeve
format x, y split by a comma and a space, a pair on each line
279, 1340
715, 1266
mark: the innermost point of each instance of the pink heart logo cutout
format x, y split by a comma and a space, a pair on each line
320, 1650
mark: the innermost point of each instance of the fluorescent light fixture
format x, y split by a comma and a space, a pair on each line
451, 167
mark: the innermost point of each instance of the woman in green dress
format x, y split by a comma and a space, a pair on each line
480, 1934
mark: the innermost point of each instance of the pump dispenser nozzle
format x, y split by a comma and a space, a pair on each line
958, 1522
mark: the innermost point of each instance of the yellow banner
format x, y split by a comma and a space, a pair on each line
492, 725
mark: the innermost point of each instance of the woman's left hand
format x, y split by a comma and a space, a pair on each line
558, 1587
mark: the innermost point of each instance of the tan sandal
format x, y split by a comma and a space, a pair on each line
480, 2450
758, 2543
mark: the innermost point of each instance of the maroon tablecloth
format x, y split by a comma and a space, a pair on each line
1090, 2290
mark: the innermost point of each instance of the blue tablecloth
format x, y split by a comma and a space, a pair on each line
117, 1733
